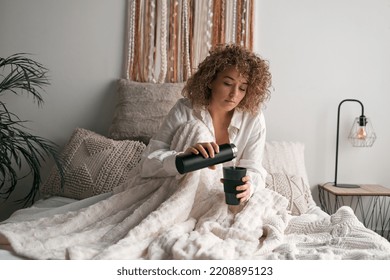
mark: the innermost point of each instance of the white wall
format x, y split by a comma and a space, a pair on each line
82, 44
320, 52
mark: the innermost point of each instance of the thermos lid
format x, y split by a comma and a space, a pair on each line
234, 149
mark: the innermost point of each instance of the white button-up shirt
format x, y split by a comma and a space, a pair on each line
246, 131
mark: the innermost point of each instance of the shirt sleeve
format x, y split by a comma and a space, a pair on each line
158, 160
253, 153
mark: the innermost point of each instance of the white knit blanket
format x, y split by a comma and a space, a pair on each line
185, 217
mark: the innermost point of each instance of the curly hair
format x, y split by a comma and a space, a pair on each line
251, 67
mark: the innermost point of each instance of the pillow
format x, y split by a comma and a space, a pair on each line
141, 109
294, 189
285, 164
285, 157
92, 164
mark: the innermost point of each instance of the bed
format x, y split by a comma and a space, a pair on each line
107, 211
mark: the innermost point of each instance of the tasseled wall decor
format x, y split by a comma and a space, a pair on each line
168, 38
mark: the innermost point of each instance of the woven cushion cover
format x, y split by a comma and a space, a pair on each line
294, 189
141, 108
285, 164
93, 164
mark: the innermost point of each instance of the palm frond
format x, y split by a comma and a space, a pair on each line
19, 148
24, 75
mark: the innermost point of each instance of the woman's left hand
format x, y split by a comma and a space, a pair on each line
246, 190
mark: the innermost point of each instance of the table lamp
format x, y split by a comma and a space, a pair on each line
361, 135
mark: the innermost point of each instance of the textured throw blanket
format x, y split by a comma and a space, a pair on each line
185, 217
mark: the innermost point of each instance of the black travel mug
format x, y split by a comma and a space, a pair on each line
232, 177
191, 162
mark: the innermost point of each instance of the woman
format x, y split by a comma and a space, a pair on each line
226, 94
166, 218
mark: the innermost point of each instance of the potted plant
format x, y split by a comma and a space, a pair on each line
19, 148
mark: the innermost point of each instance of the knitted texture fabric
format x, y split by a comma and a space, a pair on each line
285, 164
92, 164
141, 108
294, 189
285, 157
185, 217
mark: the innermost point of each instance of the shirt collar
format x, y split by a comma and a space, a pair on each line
236, 119
204, 115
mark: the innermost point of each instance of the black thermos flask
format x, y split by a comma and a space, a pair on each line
191, 162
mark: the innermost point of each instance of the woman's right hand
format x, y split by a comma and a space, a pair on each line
206, 149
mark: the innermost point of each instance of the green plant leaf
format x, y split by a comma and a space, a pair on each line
18, 148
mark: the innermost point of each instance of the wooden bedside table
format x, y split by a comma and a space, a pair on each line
373, 211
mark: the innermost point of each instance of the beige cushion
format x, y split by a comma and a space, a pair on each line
285, 164
285, 157
141, 108
92, 164
294, 189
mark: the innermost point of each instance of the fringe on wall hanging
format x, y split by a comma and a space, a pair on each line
167, 39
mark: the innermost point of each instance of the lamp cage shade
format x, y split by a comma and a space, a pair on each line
362, 133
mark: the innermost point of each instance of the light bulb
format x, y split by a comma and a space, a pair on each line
361, 133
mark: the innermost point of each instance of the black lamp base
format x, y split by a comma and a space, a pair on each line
347, 186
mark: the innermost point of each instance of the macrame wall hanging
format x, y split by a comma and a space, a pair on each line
167, 39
